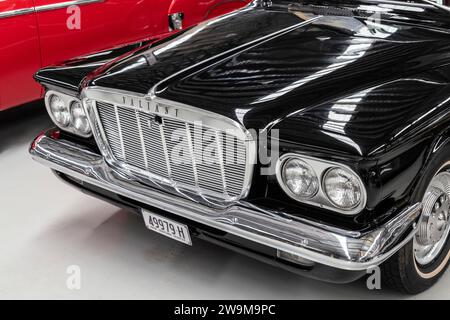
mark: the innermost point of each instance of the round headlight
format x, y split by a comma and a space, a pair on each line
78, 118
300, 178
343, 188
60, 110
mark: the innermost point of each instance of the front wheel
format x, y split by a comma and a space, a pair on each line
418, 265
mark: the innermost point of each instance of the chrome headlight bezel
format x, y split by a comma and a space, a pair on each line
77, 107
352, 176
68, 101
312, 172
64, 111
321, 168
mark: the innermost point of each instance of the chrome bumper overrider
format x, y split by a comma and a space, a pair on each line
319, 243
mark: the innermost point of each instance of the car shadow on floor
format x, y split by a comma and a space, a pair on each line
123, 239
21, 124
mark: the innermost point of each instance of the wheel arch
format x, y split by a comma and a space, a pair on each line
438, 150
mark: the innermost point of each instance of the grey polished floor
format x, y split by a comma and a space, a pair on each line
47, 226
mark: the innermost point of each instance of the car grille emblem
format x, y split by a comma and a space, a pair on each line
154, 122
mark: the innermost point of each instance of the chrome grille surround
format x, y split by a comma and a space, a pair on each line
139, 150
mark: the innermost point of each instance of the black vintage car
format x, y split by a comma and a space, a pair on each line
312, 135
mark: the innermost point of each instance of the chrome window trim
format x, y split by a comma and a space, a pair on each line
47, 7
321, 168
184, 112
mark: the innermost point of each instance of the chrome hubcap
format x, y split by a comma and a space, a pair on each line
433, 227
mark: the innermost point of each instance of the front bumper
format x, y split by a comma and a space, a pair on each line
325, 245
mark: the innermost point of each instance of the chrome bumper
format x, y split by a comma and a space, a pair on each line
338, 248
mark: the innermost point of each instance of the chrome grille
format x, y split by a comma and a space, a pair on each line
170, 149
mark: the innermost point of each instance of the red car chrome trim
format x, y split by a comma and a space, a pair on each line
66, 4
55, 6
18, 12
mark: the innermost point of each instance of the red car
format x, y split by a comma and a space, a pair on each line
39, 33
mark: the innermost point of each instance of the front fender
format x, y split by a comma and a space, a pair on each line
407, 167
390, 134
70, 74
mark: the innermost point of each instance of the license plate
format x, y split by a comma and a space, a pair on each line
167, 227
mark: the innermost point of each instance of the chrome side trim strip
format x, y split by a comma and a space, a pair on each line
48, 7
14, 13
62, 5
331, 246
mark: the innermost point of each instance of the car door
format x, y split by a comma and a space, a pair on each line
19, 53
68, 30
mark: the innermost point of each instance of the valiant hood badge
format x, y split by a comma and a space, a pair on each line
149, 105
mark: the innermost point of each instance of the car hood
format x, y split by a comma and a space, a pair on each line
333, 77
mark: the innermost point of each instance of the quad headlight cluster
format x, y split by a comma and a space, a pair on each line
321, 183
67, 112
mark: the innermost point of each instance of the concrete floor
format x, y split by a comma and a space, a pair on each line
47, 226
